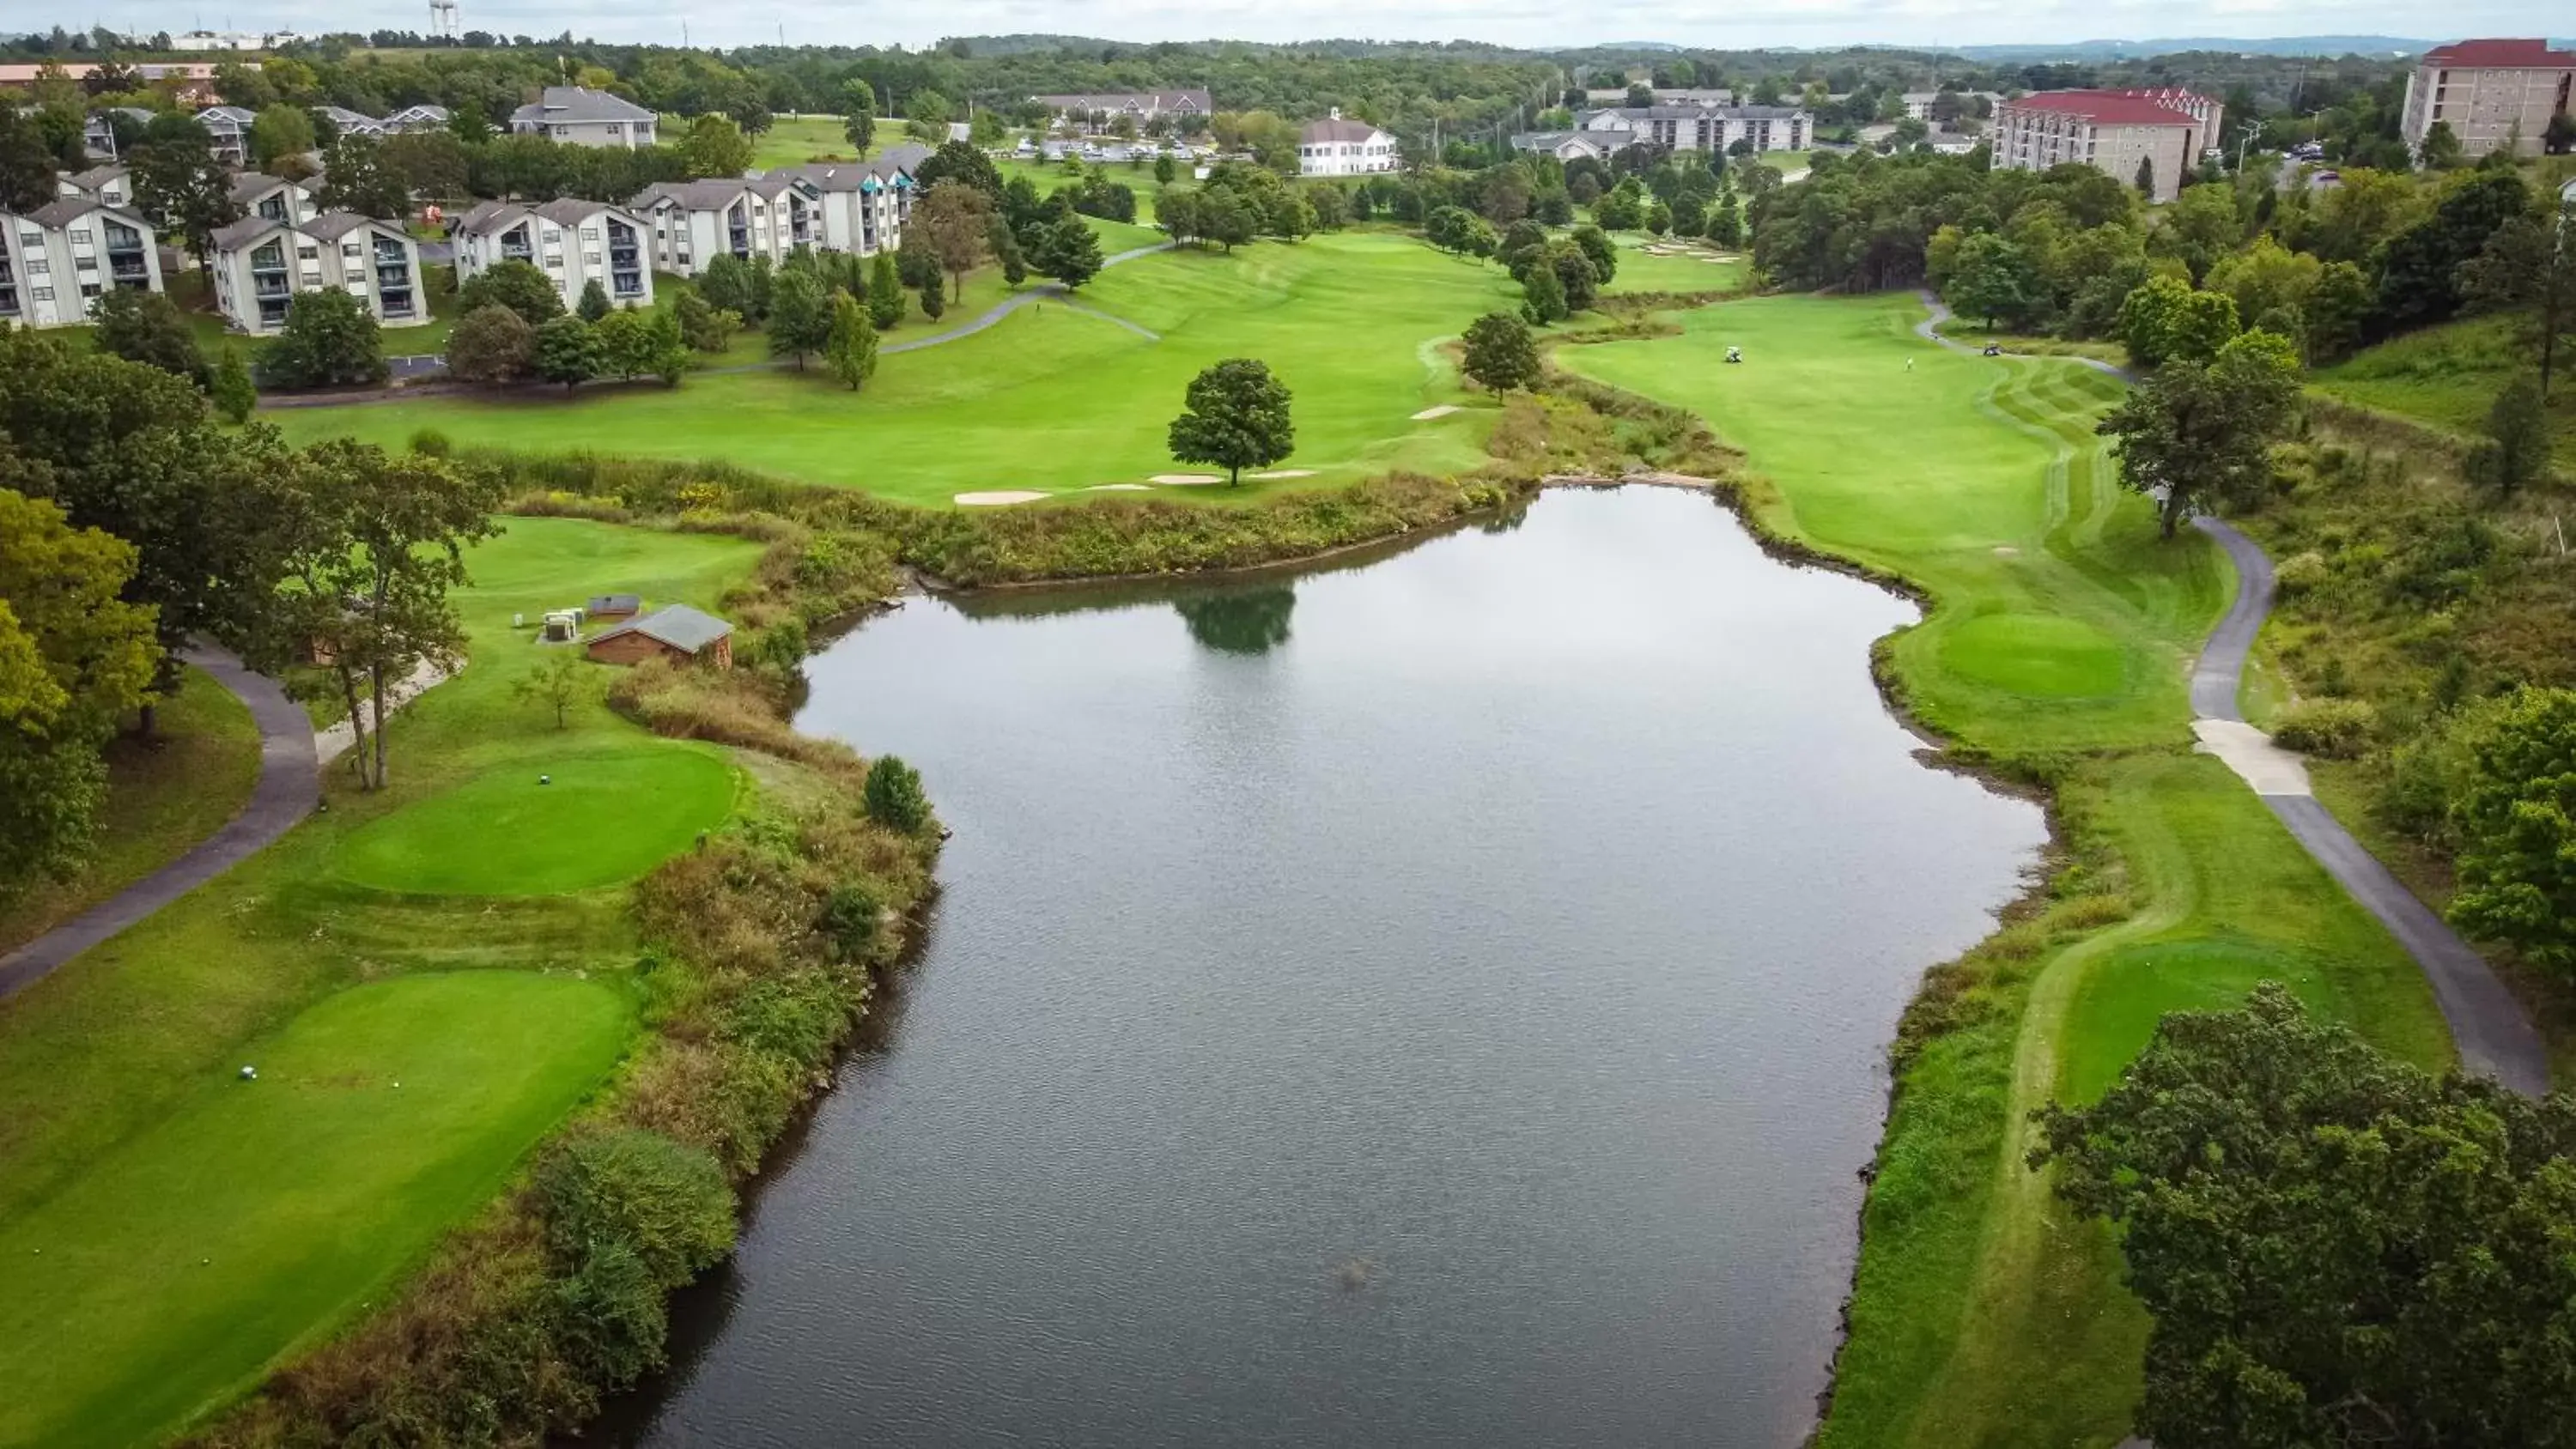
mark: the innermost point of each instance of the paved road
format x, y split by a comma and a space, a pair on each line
2494, 1036
284, 795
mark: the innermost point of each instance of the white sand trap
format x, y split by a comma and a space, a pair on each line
1120, 488
1278, 473
2005, 550
1186, 480
995, 500
1442, 411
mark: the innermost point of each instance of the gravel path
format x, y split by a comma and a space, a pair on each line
285, 794
2493, 1034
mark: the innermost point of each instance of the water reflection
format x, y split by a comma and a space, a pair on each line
1245, 621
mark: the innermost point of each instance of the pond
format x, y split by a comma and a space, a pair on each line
1435, 998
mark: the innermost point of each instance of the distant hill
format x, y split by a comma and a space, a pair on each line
2096, 50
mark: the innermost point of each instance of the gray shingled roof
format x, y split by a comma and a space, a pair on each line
1117, 100
96, 176
333, 225
245, 231
709, 195
1335, 130
564, 104
677, 625
251, 185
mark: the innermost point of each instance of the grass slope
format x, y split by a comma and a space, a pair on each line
123, 1046
2058, 635
1698, 270
164, 795
192, 1254
1050, 399
586, 820
2449, 376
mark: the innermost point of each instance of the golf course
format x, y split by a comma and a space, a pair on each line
424, 980
2055, 646
1053, 399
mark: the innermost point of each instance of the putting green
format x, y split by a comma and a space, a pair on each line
607, 816
2035, 655
259, 1215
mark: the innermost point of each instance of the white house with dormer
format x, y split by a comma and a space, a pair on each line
1335, 147
580, 116
573, 242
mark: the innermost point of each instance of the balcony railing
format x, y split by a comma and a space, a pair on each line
270, 287
398, 304
394, 275
627, 284
623, 257
516, 254
128, 269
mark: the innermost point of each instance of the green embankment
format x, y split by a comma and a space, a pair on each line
2057, 643
2448, 376
164, 794
197, 1229
1049, 399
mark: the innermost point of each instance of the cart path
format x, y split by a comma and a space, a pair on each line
2493, 1034
287, 788
1042, 292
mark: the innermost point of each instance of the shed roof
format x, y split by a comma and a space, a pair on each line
683, 628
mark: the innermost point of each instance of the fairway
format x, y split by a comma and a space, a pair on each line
1052, 400
258, 1214
2058, 634
546, 824
2060, 619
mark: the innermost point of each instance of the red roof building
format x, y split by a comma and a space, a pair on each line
2152, 137
2490, 94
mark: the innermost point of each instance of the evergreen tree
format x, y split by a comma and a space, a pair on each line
851, 349
726, 284
885, 292
594, 302
231, 389
800, 321
567, 351
1542, 295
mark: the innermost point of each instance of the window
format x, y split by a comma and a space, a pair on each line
43, 294
38, 266
309, 253
80, 236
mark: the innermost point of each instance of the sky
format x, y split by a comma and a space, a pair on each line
1752, 24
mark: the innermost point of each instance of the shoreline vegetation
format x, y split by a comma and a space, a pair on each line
2128, 809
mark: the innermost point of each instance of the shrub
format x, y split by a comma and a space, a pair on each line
2335, 728
894, 798
612, 1317
431, 443
848, 919
667, 1204
2302, 573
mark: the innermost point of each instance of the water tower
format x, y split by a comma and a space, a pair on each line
442, 19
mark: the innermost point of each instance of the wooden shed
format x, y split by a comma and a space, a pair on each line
675, 632
614, 606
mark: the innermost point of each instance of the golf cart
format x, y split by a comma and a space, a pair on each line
1735, 354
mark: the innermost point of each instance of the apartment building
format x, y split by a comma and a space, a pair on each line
1092, 110
228, 132
2491, 93
346, 122
573, 242
1701, 128
863, 203
98, 133
693, 222
271, 198
579, 116
260, 265
58, 259
1335, 147
2115, 132
109, 185
416, 118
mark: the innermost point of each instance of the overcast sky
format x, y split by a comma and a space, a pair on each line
1516, 22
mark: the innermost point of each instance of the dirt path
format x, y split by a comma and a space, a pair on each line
285, 794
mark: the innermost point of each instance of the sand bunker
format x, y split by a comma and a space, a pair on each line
994, 500
1119, 488
1442, 411
2005, 550
1186, 480
1277, 473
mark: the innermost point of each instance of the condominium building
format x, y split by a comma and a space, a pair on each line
228, 132
579, 116
416, 118
272, 198
109, 185
57, 260
2126, 134
573, 242
260, 265
694, 222
1094, 109
1335, 147
1700, 128
2491, 93
346, 122
862, 203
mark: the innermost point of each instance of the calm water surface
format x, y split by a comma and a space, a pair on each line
1438, 1001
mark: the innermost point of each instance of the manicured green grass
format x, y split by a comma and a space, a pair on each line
2449, 376
2058, 634
551, 824
1051, 400
124, 1042
795, 140
256, 1215
1979, 478
164, 794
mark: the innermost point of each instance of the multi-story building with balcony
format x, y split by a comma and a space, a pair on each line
109, 185
2491, 93
270, 198
2157, 135
862, 203
260, 265
573, 242
693, 222
228, 132
59, 259
1695, 128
